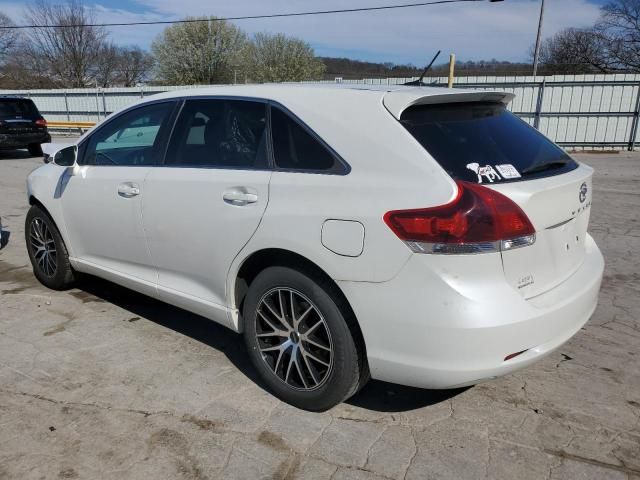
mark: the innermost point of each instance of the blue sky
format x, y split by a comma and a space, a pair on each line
473, 31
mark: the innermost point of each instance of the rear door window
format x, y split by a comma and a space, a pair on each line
484, 142
213, 133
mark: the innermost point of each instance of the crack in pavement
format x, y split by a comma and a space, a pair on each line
413, 456
578, 458
202, 423
87, 404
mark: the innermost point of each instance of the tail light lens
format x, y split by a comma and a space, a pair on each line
477, 220
41, 122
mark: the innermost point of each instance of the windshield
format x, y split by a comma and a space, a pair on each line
18, 107
484, 142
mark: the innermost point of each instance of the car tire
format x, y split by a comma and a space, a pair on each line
47, 251
319, 378
35, 149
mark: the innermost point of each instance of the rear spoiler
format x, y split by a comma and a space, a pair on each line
398, 101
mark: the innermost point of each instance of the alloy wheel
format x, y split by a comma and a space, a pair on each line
294, 339
43, 247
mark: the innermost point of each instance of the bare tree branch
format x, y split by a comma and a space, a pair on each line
8, 38
69, 55
134, 66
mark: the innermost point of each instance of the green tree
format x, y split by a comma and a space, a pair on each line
203, 52
278, 58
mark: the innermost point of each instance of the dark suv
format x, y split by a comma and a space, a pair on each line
21, 125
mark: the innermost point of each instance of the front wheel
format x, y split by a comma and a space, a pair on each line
299, 339
47, 251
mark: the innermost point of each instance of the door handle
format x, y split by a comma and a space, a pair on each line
239, 197
128, 190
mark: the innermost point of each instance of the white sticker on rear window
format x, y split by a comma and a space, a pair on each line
508, 171
487, 171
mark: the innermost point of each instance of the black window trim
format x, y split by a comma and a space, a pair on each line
82, 145
343, 168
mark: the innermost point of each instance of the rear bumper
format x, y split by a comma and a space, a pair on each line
433, 329
20, 140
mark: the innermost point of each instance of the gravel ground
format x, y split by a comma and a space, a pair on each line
100, 382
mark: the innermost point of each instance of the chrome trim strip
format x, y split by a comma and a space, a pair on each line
564, 222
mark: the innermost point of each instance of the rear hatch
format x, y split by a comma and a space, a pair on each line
558, 207
482, 142
19, 116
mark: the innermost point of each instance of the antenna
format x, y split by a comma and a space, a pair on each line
419, 83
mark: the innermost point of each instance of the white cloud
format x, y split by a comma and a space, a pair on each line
141, 35
503, 30
473, 31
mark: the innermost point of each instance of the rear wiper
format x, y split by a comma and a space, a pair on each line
419, 82
545, 166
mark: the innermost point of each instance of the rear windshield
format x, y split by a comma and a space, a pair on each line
484, 142
18, 107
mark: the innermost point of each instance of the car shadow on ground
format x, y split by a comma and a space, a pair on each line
376, 395
387, 397
14, 154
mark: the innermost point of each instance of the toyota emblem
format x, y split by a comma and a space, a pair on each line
583, 192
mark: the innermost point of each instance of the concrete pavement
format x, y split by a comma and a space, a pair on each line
101, 382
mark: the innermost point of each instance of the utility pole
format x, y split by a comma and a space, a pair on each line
536, 54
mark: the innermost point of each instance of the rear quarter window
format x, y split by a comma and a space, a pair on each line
18, 107
484, 142
296, 149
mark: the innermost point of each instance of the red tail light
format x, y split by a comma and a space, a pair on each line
477, 220
41, 122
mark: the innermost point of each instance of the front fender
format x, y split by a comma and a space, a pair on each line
44, 186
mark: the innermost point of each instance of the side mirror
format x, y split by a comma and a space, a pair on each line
59, 153
64, 156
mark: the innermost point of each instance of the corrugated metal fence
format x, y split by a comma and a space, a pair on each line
590, 111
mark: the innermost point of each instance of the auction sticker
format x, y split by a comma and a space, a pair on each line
508, 171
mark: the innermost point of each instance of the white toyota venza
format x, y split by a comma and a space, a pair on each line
421, 236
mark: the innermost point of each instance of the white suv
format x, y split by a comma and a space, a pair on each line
415, 235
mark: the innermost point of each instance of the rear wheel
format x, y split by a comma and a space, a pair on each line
35, 149
47, 251
299, 340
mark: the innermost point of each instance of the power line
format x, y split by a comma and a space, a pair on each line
248, 17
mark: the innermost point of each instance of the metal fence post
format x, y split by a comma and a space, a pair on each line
634, 124
536, 118
97, 101
104, 103
66, 106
